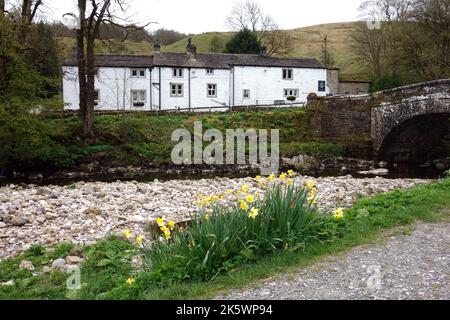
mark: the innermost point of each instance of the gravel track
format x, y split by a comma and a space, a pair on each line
414, 266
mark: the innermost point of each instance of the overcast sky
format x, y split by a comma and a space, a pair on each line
197, 16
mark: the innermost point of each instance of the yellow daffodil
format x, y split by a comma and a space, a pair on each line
271, 177
283, 176
206, 217
200, 196
290, 182
312, 200
215, 199
310, 184
222, 197
291, 173
163, 228
229, 191
138, 240
171, 225
250, 199
200, 204
238, 192
127, 234
253, 213
258, 178
130, 281
161, 221
208, 200
167, 234
338, 214
243, 205
245, 188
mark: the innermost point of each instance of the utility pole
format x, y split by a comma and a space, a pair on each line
326, 60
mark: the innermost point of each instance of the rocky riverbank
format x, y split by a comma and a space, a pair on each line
85, 212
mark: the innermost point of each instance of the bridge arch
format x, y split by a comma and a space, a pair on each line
411, 123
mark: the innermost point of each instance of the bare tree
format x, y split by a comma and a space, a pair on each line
249, 15
93, 14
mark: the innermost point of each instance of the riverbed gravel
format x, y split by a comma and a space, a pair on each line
85, 212
415, 266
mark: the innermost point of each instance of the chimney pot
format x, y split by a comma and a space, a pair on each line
157, 47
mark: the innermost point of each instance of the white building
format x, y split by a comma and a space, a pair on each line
190, 80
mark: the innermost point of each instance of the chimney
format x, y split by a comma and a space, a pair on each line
157, 47
191, 49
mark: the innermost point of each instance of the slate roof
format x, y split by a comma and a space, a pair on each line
202, 60
104, 60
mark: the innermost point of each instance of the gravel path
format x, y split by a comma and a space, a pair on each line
85, 212
414, 266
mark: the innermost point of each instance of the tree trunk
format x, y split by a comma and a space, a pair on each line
88, 128
82, 61
2, 8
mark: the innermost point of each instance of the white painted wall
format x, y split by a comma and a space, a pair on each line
114, 85
267, 85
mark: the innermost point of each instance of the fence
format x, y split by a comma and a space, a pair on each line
199, 110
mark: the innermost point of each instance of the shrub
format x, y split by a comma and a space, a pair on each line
224, 238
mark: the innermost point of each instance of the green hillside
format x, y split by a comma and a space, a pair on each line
307, 43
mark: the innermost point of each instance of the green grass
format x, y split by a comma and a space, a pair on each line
363, 223
139, 139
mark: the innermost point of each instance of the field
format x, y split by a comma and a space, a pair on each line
308, 42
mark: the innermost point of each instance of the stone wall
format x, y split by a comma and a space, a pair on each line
365, 121
353, 87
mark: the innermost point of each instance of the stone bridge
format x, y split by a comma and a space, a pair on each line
403, 124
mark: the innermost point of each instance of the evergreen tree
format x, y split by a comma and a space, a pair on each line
245, 41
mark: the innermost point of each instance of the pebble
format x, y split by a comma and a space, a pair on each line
58, 263
26, 265
90, 211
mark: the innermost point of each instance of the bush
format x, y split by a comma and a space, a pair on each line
224, 238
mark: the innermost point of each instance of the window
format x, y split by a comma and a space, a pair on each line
212, 90
288, 74
290, 92
209, 72
96, 97
139, 97
177, 73
322, 86
138, 73
176, 90
246, 94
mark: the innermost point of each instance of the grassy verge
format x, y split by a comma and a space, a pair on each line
108, 263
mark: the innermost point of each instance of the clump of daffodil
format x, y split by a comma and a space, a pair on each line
289, 182
127, 234
171, 225
243, 205
283, 176
130, 281
139, 239
250, 199
338, 214
271, 178
291, 173
253, 213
